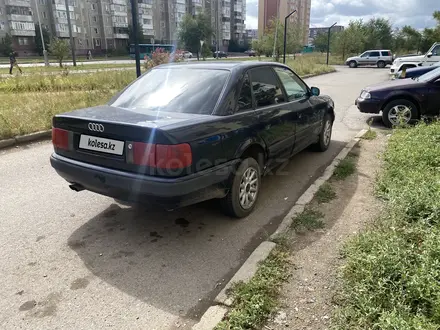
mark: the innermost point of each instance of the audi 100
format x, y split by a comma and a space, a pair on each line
184, 133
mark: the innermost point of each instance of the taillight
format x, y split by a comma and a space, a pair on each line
173, 156
60, 138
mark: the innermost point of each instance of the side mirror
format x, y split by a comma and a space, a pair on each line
315, 91
429, 54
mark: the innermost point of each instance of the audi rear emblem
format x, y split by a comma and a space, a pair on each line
96, 127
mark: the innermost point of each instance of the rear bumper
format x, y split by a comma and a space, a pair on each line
368, 105
133, 187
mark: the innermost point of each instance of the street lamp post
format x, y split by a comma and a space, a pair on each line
46, 60
134, 17
285, 35
328, 41
72, 42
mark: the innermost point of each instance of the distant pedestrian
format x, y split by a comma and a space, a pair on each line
89, 55
13, 62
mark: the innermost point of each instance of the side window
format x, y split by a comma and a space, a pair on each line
374, 54
366, 54
436, 51
386, 54
266, 88
295, 88
245, 98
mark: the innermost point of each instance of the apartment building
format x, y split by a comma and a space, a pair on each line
101, 25
269, 10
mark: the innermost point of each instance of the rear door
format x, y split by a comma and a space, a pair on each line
433, 106
308, 118
373, 58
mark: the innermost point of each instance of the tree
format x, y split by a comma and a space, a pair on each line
60, 49
193, 30
320, 42
206, 51
351, 40
378, 34
293, 39
140, 34
6, 45
38, 41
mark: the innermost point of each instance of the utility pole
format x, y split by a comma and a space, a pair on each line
72, 42
134, 18
46, 60
218, 29
276, 29
328, 40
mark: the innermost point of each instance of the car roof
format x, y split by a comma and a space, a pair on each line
218, 65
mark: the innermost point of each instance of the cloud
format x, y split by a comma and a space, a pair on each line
417, 13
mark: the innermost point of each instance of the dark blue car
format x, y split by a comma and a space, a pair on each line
416, 72
403, 100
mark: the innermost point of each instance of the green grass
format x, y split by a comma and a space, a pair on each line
345, 168
391, 279
309, 219
369, 135
325, 193
52, 68
255, 301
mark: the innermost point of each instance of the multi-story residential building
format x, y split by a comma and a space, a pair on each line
314, 31
268, 10
102, 25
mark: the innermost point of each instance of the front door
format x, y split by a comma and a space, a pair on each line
364, 58
308, 117
276, 120
373, 58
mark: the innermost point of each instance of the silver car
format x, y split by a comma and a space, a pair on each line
381, 58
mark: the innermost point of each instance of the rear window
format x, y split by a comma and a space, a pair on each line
182, 90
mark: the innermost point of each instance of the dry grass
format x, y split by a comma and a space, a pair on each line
28, 104
33, 112
56, 68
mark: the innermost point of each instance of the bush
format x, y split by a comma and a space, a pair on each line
391, 279
160, 56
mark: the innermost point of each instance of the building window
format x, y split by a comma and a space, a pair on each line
94, 19
42, 2
93, 6
23, 41
44, 14
97, 42
96, 30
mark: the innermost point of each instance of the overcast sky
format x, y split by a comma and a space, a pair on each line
417, 13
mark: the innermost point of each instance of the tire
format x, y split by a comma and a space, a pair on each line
381, 64
406, 108
325, 136
352, 64
231, 203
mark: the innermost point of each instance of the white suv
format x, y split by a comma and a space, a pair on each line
381, 58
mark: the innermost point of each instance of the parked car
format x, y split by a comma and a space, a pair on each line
187, 54
415, 72
251, 53
403, 100
220, 54
406, 62
380, 58
184, 133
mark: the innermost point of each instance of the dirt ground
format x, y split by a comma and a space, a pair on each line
306, 302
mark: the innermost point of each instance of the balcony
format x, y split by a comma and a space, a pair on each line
20, 18
119, 2
121, 36
145, 6
120, 25
19, 3
63, 7
23, 33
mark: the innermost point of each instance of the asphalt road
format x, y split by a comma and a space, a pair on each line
79, 261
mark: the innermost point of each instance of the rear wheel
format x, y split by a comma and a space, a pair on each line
325, 136
381, 64
399, 112
244, 190
352, 64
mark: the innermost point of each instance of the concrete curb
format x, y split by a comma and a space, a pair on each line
25, 138
210, 319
